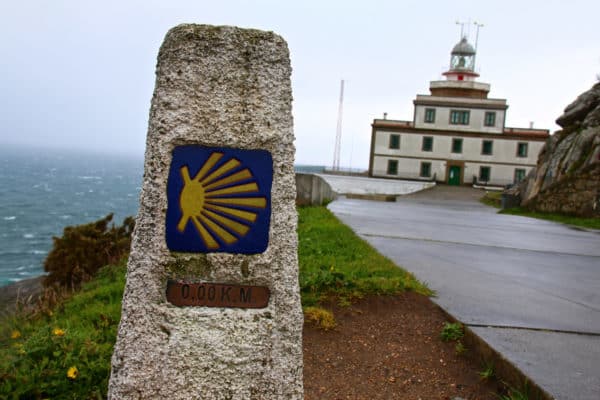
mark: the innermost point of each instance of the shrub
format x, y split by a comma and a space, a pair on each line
84, 249
322, 318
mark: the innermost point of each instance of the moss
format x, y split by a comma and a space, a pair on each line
580, 161
321, 317
186, 265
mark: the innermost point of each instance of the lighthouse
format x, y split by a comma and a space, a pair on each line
457, 135
461, 76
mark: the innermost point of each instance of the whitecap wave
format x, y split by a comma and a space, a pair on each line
28, 236
10, 218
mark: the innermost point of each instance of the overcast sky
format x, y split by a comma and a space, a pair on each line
80, 74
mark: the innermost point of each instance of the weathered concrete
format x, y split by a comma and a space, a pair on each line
373, 186
313, 190
218, 87
510, 278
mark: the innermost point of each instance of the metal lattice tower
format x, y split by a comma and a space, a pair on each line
338, 134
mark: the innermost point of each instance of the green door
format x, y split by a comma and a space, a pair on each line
454, 175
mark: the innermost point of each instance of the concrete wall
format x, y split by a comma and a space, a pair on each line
312, 190
502, 162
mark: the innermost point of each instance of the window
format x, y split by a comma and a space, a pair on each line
459, 117
519, 175
487, 147
457, 145
392, 167
430, 115
484, 174
394, 141
427, 143
425, 169
522, 150
490, 119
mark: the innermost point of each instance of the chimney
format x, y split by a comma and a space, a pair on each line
384, 115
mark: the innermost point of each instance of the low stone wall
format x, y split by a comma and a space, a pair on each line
579, 195
312, 190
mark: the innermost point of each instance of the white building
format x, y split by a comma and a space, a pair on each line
457, 134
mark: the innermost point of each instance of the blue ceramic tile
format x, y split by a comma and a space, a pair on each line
219, 200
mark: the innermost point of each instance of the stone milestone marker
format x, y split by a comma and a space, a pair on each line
211, 308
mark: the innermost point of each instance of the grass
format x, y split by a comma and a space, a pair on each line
452, 331
592, 223
334, 262
488, 372
516, 394
492, 199
320, 317
65, 352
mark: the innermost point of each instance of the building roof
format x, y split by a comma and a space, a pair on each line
541, 133
508, 133
463, 48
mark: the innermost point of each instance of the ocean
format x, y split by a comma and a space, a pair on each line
42, 191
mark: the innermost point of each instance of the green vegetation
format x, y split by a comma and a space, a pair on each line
64, 351
488, 372
492, 199
334, 262
83, 249
321, 317
515, 394
452, 331
460, 348
593, 223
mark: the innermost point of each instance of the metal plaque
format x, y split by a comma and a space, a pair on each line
207, 294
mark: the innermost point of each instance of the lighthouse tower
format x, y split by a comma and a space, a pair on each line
462, 62
460, 78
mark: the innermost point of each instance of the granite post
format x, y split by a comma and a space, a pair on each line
211, 308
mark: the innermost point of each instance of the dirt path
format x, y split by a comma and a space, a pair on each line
389, 348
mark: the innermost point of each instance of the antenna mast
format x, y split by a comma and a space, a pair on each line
462, 28
338, 134
478, 25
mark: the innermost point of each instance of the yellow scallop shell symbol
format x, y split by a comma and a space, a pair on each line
207, 201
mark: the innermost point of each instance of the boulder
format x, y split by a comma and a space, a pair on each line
567, 176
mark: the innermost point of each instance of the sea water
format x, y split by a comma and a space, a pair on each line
42, 191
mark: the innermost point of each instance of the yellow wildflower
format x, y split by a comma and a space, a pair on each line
58, 332
72, 373
15, 334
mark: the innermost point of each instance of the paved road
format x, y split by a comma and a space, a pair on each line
530, 288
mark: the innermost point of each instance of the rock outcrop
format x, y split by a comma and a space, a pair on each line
567, 177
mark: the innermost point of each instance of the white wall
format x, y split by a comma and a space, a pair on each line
410, 155
503, 150
442, 119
